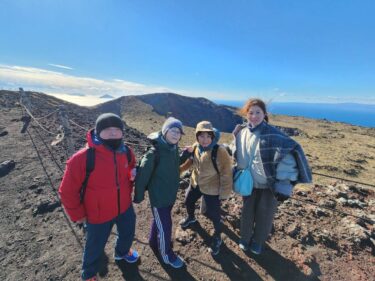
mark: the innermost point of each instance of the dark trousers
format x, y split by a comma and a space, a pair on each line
97, 236
257, 215
212, 206
161, 233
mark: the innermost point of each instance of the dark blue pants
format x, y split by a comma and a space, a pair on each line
212, 206
161, 233
97, 236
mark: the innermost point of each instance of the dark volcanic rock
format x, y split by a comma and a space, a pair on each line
6, 167
321, 213
3, 133
352, 172
45, 207
290, 131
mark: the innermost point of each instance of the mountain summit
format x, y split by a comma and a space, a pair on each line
188, 109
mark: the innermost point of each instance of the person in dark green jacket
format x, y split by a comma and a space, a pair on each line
158, 173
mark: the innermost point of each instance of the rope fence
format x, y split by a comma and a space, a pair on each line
36, 120
48, 115
54, 189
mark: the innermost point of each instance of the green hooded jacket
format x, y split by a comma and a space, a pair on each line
162, 181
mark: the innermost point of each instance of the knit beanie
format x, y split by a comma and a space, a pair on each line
107, 120
171, 122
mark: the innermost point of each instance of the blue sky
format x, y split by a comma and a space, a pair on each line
304, 51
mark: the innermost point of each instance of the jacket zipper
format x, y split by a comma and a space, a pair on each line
117, 183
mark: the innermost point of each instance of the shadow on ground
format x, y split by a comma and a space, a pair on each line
130, 271
276, 265
232, 265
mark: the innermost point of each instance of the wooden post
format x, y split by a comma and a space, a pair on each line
25, 101
66, 129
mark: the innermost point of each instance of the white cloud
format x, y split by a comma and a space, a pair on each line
49, 82
80, 100
60, 66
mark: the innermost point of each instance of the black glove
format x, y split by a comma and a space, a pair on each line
281, 197
135, 201
283, 190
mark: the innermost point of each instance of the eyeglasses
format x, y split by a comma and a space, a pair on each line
175, 131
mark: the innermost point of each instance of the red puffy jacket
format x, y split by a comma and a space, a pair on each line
108, 191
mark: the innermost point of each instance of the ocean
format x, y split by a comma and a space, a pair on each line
352, 113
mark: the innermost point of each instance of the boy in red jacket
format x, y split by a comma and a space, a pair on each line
107, 198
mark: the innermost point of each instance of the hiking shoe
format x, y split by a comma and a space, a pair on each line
256, 248
243, 245
177, 263
131, 257
215, 245
188, 221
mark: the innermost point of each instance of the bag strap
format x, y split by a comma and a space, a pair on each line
128, 154
155, 149
214, 157
90, 165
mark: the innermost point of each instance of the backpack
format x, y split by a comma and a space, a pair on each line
90, 165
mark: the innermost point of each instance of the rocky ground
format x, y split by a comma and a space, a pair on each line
39, 243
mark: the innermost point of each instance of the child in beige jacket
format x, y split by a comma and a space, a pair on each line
211, 178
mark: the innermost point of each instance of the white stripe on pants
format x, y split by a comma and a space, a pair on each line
161, 235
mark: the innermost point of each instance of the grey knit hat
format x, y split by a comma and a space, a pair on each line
171, 122
107, 120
